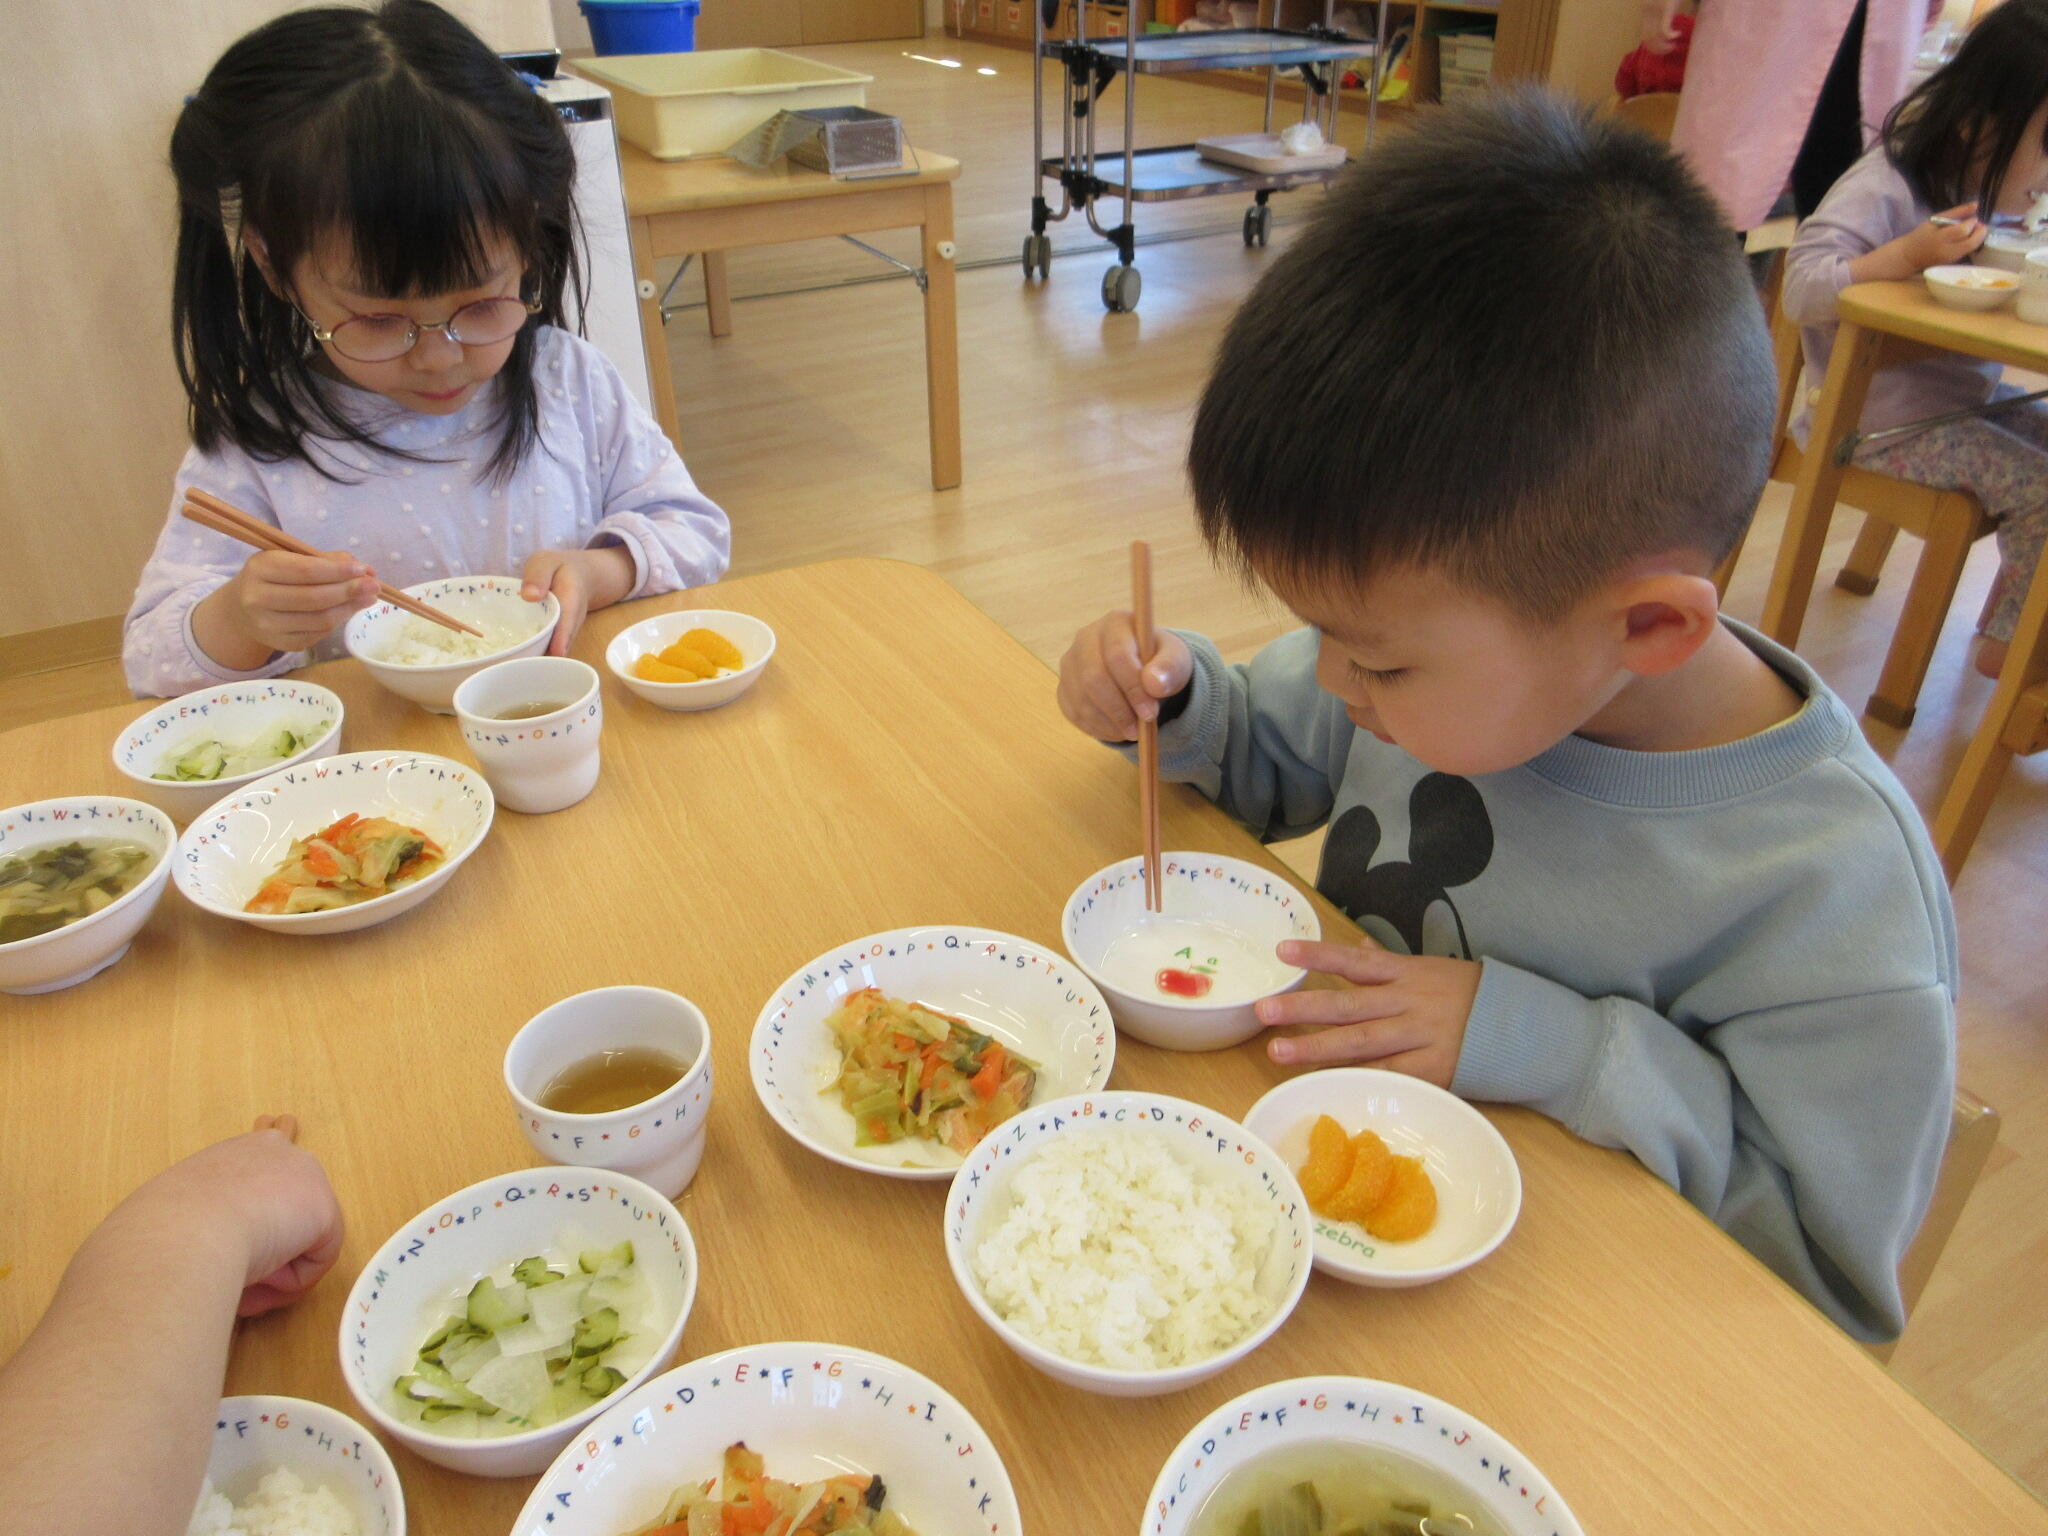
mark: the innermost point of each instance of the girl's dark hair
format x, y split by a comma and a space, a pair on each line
397, 134
1977, 104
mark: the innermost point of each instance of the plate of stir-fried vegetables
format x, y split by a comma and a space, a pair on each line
335, 844
898, 1053
911, 1072
356, 858
743, 1500
789, 1438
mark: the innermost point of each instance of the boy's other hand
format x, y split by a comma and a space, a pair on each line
261, 1191
1106, 691
1405, 1013
289, 602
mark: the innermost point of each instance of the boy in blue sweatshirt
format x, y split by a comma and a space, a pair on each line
1487, 427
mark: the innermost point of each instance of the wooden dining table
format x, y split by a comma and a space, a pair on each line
900, 762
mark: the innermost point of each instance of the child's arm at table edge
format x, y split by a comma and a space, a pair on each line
160, 654
107, 1408
1810, 1131
675, 535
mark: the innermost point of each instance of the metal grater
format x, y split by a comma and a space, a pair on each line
852, 141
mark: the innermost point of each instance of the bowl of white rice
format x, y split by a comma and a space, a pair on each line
1128, 1243
426, 662
285, 1466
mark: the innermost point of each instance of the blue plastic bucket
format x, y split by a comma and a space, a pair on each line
642, 26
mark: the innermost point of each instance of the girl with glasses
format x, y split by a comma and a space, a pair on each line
376, 233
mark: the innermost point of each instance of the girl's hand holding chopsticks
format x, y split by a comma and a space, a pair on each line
280, 602
1106, 690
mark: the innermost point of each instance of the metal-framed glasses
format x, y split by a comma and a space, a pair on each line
385, 338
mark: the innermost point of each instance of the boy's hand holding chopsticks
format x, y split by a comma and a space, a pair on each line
1106, 690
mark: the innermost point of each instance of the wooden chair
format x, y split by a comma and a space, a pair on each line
1972, 1133
2015, 723
1948, 523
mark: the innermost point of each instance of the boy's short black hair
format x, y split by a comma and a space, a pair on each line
1517, 344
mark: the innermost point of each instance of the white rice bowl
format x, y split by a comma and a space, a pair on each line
281, 1504
426, 662
1128, 1243
1115, 1252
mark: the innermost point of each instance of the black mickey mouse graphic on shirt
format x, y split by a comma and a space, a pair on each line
1450, 843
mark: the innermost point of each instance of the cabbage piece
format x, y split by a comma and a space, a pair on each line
516, 1385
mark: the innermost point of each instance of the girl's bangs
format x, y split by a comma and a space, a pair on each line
415, 190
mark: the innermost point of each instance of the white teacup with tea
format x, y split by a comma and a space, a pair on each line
533, 725
617, 1078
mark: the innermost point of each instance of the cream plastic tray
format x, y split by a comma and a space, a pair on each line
682, 106
1262, 152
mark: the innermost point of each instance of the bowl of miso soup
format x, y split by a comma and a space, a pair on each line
78, 877
1348, 1456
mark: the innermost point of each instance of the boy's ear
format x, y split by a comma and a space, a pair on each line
1663, 619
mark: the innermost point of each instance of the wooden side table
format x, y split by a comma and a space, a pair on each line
708, 207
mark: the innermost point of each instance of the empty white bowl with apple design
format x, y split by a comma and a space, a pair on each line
1187, 978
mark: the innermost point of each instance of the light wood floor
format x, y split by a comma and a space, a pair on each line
808, 425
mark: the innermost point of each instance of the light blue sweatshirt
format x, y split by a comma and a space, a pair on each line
1739, 963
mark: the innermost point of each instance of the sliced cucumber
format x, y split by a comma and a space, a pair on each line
493, 1306
596, 1333
597, 1260
601, 1381
535, 1271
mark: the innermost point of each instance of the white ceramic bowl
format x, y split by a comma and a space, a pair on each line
233, 713
425, 1268
755, 640
660, 1141
227, 854
373, 631
1970, 287
1010, 989
322, 1447
49, 962
1228, 898
1355, 1411
1218, 1148
811, 1410
1478, 1183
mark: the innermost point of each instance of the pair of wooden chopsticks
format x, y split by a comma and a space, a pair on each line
1148, 730
209, 511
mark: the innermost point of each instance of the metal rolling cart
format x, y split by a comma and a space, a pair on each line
1088, 66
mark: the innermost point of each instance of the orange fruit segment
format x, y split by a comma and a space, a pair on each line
1408, 1208
1329, 1162
653, 669
1372, 1164
715, 648
686, 657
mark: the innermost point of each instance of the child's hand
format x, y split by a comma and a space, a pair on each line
261, 1192
1103, 688
1924, 245
287, 602
582, 580
1407, 1013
